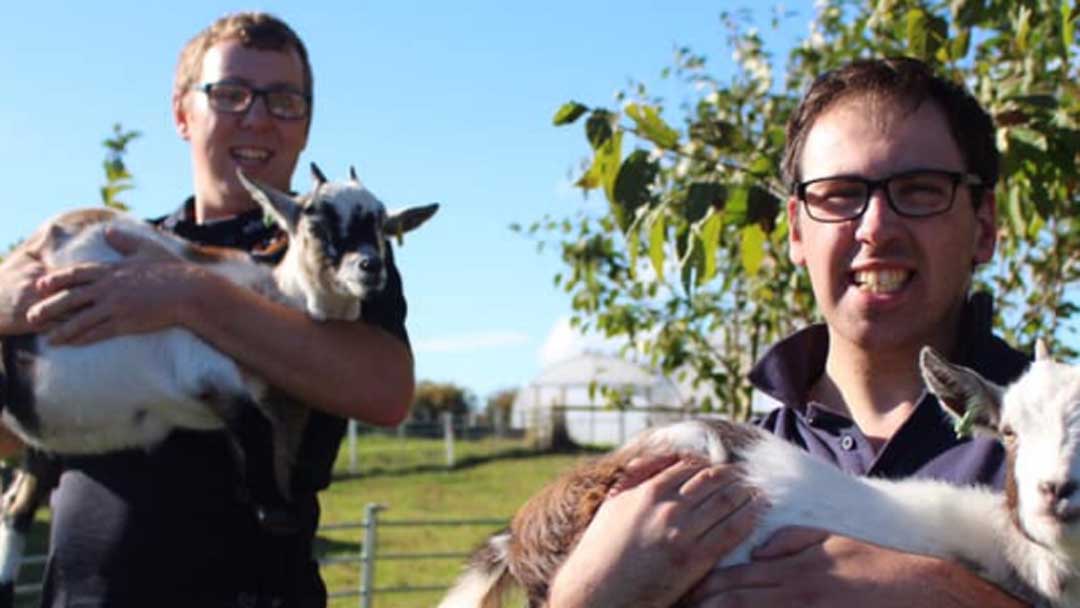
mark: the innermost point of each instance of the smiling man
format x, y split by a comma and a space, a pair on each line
892, 170
169, 526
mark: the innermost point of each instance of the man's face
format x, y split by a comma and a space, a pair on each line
264, 147
885, 281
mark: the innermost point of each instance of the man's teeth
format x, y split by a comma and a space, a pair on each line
880, 281
251, 153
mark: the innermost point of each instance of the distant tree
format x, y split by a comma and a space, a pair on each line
689, 263
500, 404
433, 398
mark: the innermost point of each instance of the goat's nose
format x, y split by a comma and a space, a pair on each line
370, 264
1055, 490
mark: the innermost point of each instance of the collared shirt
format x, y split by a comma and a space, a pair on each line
925, 445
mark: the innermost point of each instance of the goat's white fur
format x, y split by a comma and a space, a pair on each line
1027, 541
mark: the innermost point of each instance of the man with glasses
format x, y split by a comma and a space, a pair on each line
892, 170
168, 526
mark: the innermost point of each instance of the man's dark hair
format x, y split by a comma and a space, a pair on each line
904, 84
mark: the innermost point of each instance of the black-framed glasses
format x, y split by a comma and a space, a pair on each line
237, 97
914, 193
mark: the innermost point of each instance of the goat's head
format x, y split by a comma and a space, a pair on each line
337, 239
1038, 419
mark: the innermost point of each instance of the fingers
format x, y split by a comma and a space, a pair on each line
736, 509
88, 325
722, 587
708, 480
641, 468
670, 481
58, 306
789, 541
71, 276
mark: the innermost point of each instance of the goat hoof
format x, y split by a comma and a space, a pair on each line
279, 522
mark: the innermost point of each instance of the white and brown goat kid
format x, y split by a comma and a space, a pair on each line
1026, 540
131, 391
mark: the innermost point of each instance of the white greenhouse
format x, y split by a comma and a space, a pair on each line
560, 395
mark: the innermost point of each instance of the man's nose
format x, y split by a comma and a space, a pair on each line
257, 114
879, 220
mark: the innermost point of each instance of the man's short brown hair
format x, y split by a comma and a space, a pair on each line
904, 84
255, 30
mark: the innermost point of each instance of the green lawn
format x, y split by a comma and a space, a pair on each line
491, 479
489, 488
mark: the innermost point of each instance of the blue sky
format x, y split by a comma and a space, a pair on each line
431, 101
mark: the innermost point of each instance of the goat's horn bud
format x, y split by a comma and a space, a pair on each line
320, 179
352, 174
1042, 351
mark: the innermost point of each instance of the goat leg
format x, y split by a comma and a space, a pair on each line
251, 438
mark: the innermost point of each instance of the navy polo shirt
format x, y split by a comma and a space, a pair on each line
924, 446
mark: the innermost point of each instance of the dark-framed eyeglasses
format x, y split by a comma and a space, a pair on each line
914, 193
237, 97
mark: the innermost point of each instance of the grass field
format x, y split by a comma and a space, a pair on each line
409, 477
492, 479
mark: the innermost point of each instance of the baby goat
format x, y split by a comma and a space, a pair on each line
1027, 541
131, 391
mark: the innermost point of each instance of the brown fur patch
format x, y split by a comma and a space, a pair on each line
550, 524
208, 254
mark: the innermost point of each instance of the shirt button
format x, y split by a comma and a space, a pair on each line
848, 443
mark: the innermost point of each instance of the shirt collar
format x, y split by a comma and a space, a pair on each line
788, 370
247, 230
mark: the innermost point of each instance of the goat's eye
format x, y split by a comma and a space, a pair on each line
1008, 435
310, 211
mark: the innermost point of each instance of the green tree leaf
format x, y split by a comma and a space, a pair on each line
657, 237
599, 129
752, 250
631, 188
652, 126
568, 113
710, 230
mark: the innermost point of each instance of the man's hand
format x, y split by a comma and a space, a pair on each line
18, 291
93, 301
650, 543
806, 567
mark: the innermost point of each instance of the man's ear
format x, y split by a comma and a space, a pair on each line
985, 228
180, 116
795, 242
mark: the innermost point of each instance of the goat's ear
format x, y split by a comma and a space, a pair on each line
973, 401
405, 220
278, 205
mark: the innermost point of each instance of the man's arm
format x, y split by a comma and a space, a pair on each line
806, 567
350, 369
